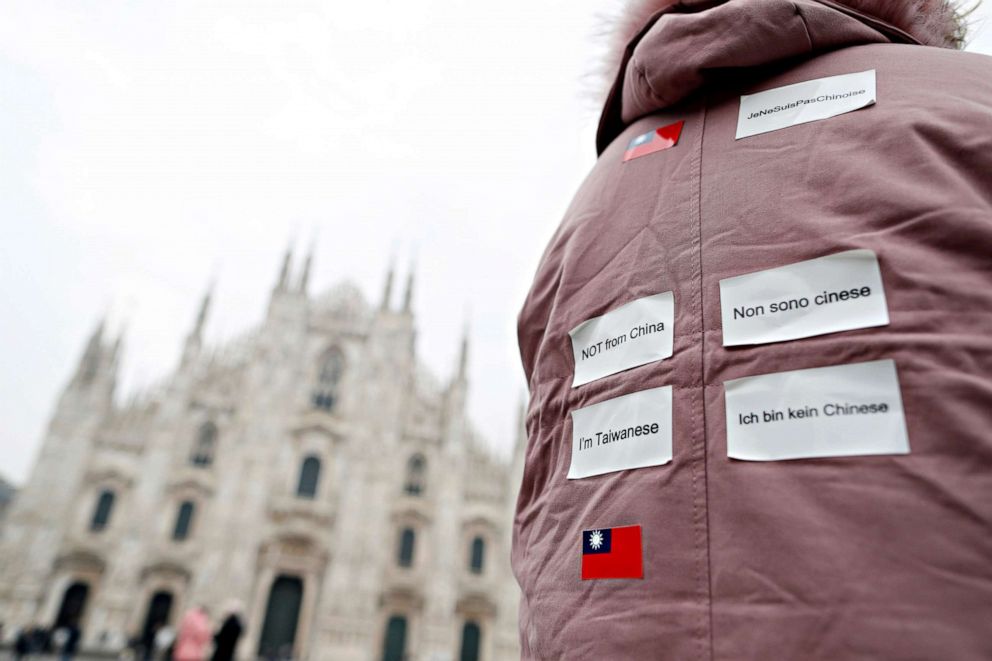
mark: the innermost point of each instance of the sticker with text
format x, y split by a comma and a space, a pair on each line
829, 294
663, 137
631, 431
637, 333
804, 102
846, 410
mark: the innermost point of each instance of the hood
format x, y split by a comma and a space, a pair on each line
671, 45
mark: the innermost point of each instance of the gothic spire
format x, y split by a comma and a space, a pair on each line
284, 272
463, 357
194, 341
201, 317
92, 356
408, 295
387, 290
305, 276
115, 354
96, 338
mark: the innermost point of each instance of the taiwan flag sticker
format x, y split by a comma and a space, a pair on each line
612, 553
656, 140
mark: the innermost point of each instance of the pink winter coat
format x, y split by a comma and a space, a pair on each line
876, 556
194, 636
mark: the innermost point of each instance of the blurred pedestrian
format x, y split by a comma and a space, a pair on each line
22, 644
226, 638
70, 642
164, 638
40, 639
147, 642
194, 635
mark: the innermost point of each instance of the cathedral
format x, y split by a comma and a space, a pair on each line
312, 470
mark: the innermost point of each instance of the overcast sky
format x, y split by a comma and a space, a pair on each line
147, 148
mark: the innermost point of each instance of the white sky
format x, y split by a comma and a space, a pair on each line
148, 147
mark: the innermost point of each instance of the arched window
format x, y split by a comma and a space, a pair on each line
407, 540
206, 442
394, 643
184, 521
325, 395
104, 507
416, 467
309, 477
471, 640
477, 555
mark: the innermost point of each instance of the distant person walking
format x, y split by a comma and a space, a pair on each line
147, 644
70, 644
194, 635
22, 645
164, 638
226, 638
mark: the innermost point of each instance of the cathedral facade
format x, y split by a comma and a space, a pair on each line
311, 470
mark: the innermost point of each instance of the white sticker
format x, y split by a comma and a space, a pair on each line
825, 295
804, 102
637, 333
631, 431
840, 411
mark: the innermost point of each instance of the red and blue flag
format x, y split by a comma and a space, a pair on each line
612, 553
656, 140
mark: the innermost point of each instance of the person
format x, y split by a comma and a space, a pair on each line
146, 642
70, 642
39, 640
22, 644
730, 454
226, 638
163, 640
193, 636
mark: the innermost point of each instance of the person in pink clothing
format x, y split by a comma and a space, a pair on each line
195, 634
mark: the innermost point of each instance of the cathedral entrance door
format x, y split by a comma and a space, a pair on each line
158, 615
471, 638
281, 615
73, 604
394, 646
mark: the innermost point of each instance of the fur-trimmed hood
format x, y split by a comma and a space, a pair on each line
666, 48
932, 22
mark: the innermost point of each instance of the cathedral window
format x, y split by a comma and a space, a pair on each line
325, 395
104, 507
477, 555
206, 443
471, 641
184, 521
309, 477
394, 643
407, 540
416, 467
